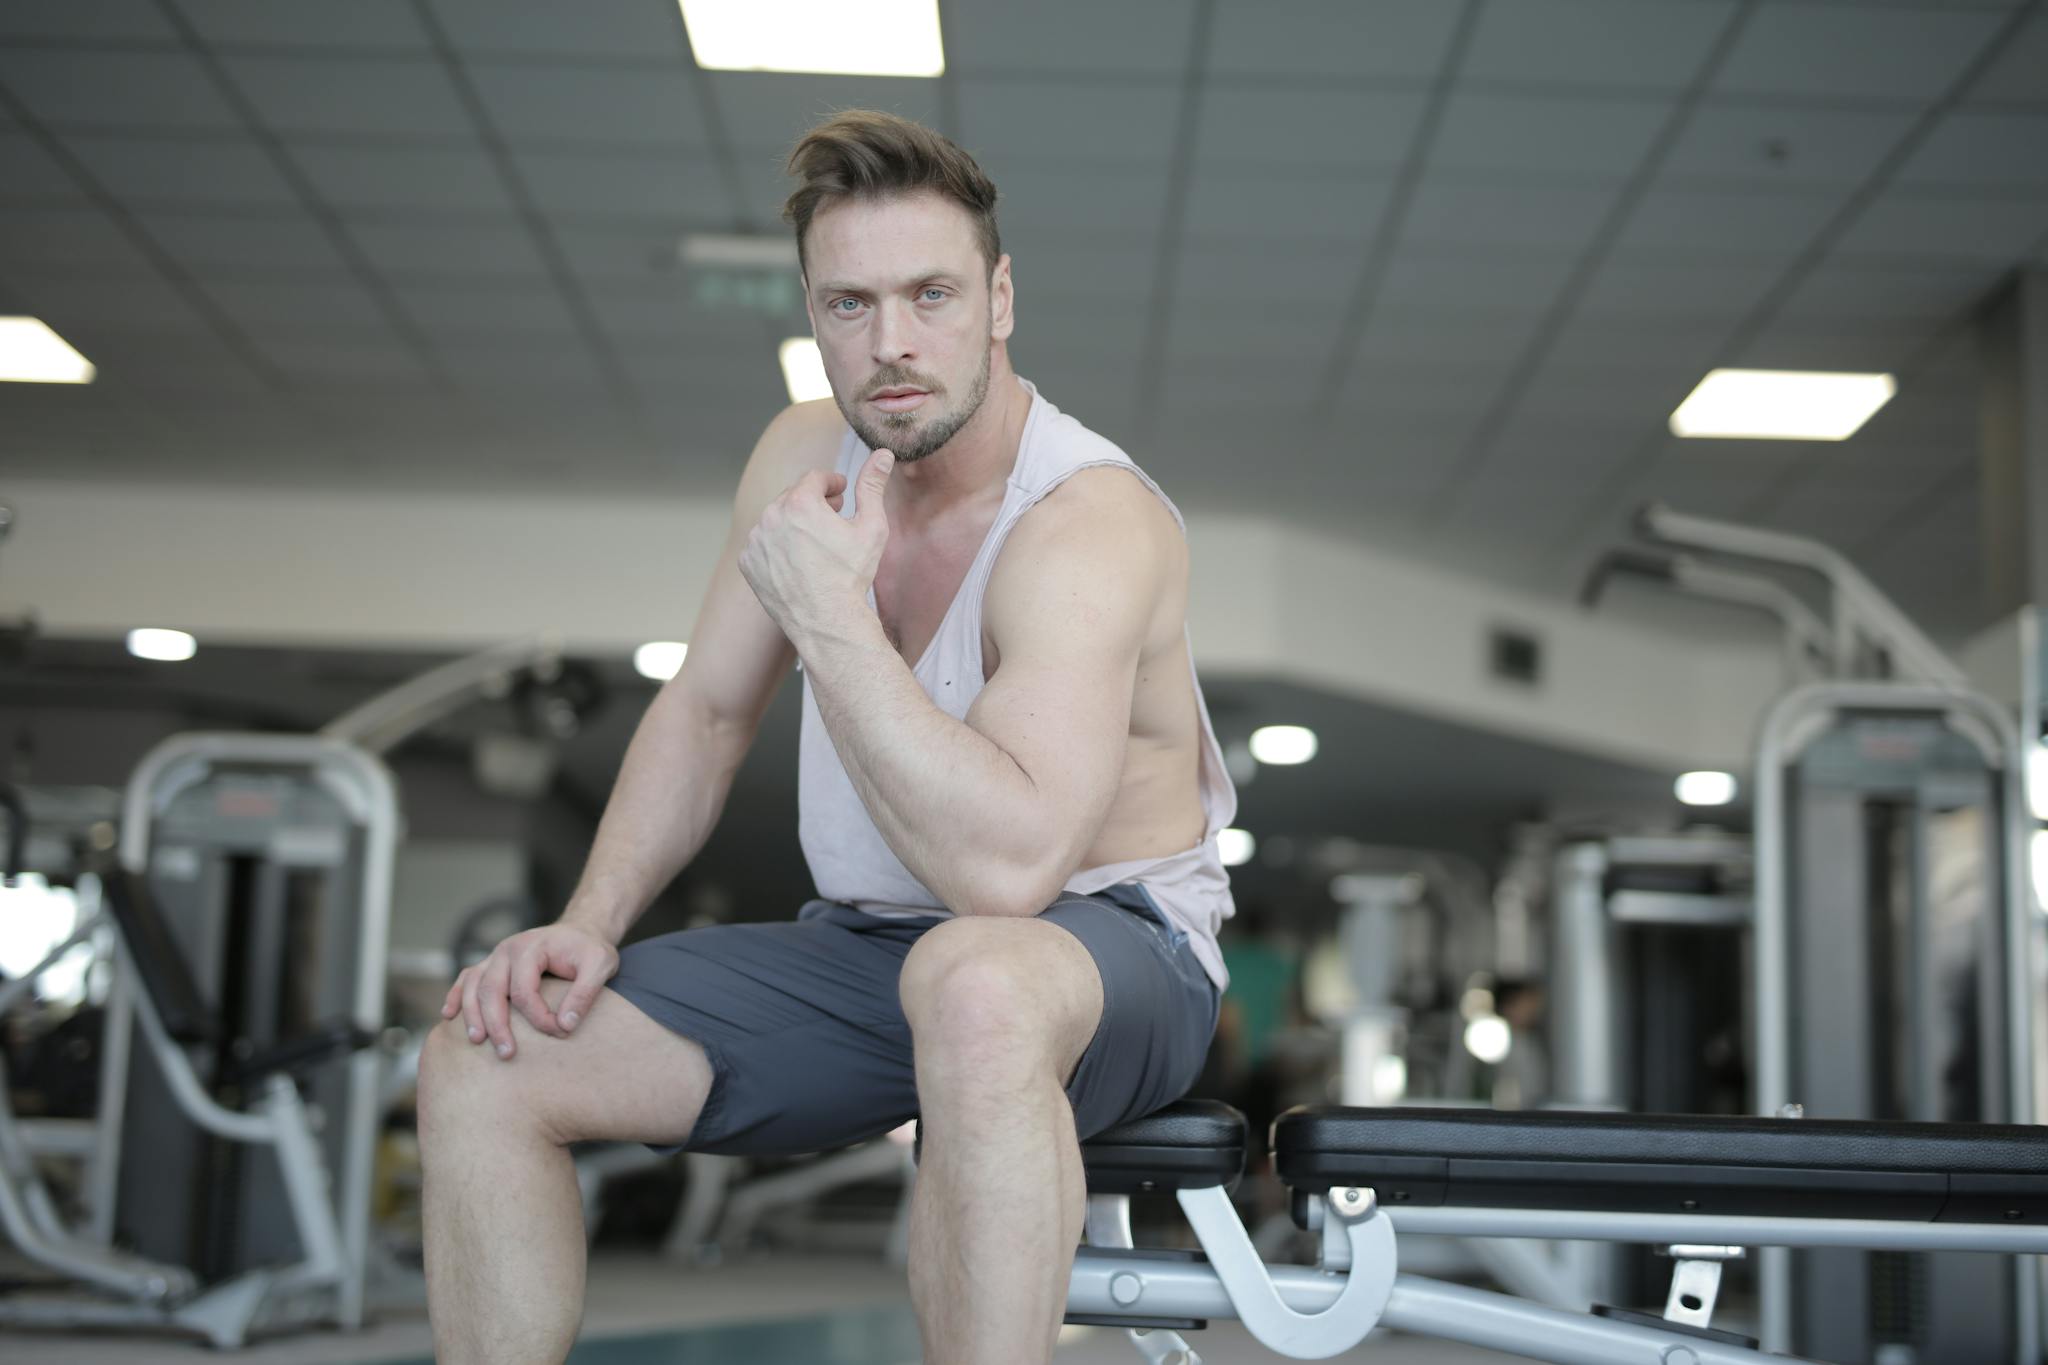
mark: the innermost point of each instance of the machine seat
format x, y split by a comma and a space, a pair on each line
1665, 1163
1190, 1144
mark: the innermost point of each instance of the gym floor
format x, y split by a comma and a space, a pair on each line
780, 1310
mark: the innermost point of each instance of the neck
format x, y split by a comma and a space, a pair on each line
977, 462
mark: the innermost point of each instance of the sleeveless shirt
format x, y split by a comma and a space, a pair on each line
850, 861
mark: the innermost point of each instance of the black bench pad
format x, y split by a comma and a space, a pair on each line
1663, 1163
1190, 1144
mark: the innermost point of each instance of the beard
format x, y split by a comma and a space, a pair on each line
910, 436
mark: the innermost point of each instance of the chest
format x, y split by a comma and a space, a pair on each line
921, 572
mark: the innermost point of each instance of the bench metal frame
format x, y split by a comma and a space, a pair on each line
1314, 1312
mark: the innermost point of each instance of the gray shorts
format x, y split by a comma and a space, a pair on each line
809, 1048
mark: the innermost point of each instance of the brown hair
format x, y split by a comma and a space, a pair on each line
866, 154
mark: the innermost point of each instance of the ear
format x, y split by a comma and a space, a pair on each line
1002, 301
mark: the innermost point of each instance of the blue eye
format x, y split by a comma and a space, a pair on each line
854, 302
935, 290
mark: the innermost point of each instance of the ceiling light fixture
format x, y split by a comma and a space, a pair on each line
831, 37
30, 353
1781, 405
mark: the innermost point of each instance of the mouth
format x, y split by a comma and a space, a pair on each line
899, 400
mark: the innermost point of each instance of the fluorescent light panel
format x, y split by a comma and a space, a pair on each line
833, 37
165, 646
803, 370
1283, 745
660, 659
1781, 405
1705, 788
30, 353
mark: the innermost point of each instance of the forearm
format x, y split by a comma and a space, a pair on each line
670, 791
961, 814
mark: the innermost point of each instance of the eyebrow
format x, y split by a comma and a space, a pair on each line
928, 277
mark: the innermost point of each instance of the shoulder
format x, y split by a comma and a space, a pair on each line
1107, 500
802, 437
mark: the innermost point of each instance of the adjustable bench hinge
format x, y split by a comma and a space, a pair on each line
1696, 1281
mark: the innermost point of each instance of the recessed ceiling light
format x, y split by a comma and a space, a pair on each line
1781, 405
30, 353
1282, 745
874, 38
167, 646
803, 370
1705, 789
660, 659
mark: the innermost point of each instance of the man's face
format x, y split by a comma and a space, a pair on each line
905, 312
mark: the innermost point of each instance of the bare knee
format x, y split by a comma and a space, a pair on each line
1000, 994
466, 1087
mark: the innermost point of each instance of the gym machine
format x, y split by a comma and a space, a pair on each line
1891, 927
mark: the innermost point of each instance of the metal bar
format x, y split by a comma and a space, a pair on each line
1869, 1234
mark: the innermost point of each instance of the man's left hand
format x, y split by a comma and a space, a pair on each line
808, 564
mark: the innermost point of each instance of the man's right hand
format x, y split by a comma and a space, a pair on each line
510, 977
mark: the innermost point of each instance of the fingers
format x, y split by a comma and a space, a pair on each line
589, 978
472, 1012
453, 1004
874, 478
493, 993
526, 996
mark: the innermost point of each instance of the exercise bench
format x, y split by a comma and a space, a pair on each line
1704, 1189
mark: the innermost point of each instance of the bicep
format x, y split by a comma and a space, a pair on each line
1070, 610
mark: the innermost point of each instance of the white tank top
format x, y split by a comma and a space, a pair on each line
848, 858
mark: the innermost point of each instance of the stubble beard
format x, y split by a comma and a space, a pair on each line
900, 432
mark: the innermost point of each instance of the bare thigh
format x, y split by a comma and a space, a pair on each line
619, 1077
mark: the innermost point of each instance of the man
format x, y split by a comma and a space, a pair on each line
1009, 800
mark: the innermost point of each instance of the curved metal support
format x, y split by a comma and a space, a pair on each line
1304, 1336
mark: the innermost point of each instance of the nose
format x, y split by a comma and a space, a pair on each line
892, 337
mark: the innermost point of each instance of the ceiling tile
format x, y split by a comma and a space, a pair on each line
49, 238
1352, 39
1302, 207
767, 112
2015, 74
161, 91
1840, 290
1331, 130
633, 253
211, 243
314, 95
1648, 346
1909, 55
323, 360
421, 180
1674, 287
541, 104
102, 21
1110, 272
1984, 149
1595, 42
360, 25
402, 250
1094, 121
28, 174
137, 302
302, 307
1951, 227
1081, 197
1880, 346
1727, 225
225, 174
547, 28
683, 186
1267, 272
471, 311
1781, 146
1431, 337
1535, 217
1296, 340
1488, 284
1146, 36
1521, 136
